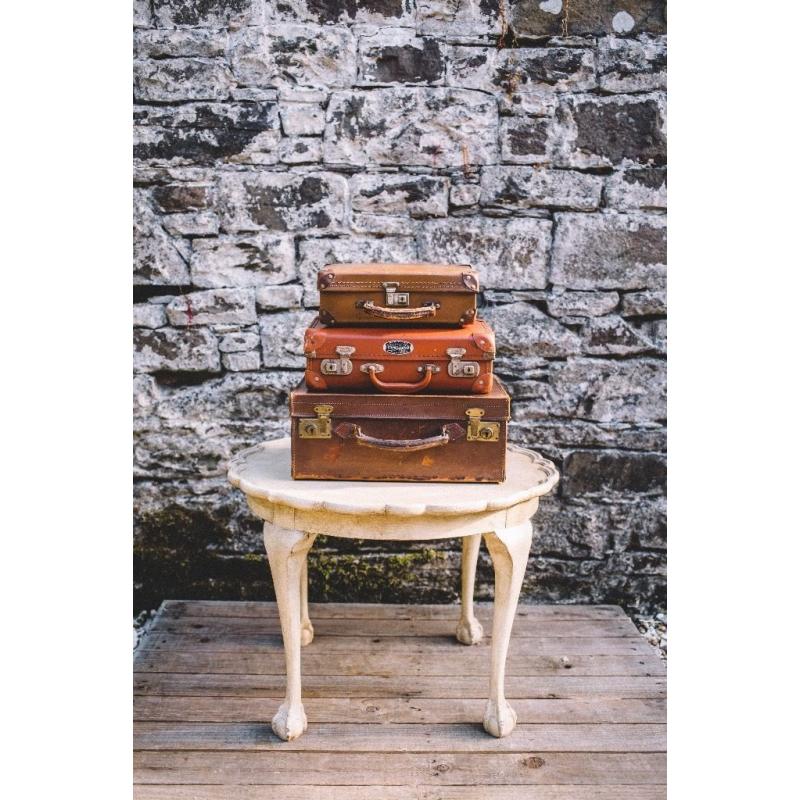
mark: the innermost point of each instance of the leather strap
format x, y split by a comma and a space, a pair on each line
397, 313
399, 387
349, 430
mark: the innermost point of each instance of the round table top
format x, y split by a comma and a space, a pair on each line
264, 472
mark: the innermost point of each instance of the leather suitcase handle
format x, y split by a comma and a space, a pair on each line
399, 387
383, 312
450, 432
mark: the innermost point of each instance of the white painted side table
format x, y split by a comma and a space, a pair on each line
295, 512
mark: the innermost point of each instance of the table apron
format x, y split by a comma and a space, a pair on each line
386, 526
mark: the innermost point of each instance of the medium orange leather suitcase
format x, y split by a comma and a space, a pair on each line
400, 360
397, 294
371, 437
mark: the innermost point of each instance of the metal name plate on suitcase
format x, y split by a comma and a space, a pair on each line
400, 360
400, 294
372, 437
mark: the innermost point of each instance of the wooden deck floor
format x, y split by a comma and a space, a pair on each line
395, 706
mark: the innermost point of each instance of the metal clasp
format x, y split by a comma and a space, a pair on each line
478, 431
393, 297
461, 369
319, 428
338, 366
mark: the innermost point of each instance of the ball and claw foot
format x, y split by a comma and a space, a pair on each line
306, 634
469, 631
289, 723
499, 719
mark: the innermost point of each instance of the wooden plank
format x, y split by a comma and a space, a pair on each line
399, 769
464, 661
563, 686
260, 610
196, 792
395, 710
434, 646
346, 737
210, 626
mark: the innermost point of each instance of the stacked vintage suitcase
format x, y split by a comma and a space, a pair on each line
398, 383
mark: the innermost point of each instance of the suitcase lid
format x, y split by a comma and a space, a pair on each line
400, 344
409, 277
496, 405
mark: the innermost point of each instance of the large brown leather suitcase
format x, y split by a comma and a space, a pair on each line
397, 294
373, 437
400, 360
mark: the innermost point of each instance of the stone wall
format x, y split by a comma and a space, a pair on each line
528, 138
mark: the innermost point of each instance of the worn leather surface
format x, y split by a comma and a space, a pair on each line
385, 347
406, 420
345, 290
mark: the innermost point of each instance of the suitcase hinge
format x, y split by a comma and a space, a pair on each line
478, 431
461, 369
393, 297
338, 366
319, 428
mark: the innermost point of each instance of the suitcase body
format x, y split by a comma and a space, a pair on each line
397, 294
369, 437
400, 360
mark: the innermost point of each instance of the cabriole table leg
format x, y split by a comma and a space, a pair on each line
306, 628
509, 550
287, 551
469, 630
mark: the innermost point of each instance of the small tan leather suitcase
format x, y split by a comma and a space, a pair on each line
397, 294
372, 437
400, 360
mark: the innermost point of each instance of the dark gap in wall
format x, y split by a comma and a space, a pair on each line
143, 293
174, 380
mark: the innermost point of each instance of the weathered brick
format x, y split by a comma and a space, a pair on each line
631, 65
182, 197
242, 362
600, 472
173, 43
581, 304
278, 201
454, 18
175, 350
157, 257
612, 335
241, 261
522, 330
521, 187
305, 55
300, 150
213, 306
149, 315
644, 188
587, 17
382, 12
316, 253
141, 14
644, 304
208, 13
302, 112
181, 79
452, 127
509, 254
416, 195
465, 194
269, 298
399, 56
607, 131
193, 223
238, 342
527, 140
282, 338
609, 251
202, 133
521, 69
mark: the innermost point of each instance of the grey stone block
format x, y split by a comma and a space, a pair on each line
178, 79
175, 350
416, 195
256, 260
523, 187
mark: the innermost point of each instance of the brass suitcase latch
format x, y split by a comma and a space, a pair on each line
461, 369
319, 428
338, 366
478, 431
393, 297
